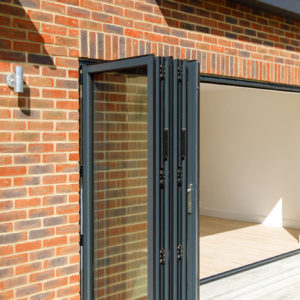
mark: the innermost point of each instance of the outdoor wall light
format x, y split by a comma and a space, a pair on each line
15, 80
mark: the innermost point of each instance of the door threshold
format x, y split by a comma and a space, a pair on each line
248, 267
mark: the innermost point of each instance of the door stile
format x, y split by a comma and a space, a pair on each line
183, 159
157, 224
167, 165
193, 76
87, 182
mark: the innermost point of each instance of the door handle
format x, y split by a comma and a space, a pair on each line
189, 198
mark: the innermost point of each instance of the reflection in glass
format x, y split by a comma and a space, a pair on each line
120, 184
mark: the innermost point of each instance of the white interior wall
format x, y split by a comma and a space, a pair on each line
249, 153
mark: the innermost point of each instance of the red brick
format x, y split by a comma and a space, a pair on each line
13, 282
28, 268
54, 93
54, 158
54, 136
55, 283
6, 250
54, 179
28, 246
28, 290
12, 125
40, 125
41, 212
66, 21
40, 148
67, 209
55, 241
68, 290
67, 105
24, 203
26, 136
5, 182
67, 188
24, 46
5, 160
13, 260
41, 190
41, 276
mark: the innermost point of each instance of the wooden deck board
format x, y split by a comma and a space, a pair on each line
228, 244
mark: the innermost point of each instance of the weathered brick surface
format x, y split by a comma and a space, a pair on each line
39, 129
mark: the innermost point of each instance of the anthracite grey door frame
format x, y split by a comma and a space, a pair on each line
87, 157
173, 116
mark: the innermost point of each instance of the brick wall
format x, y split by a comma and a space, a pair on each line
39, 200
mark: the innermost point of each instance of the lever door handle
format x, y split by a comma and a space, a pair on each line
189, 198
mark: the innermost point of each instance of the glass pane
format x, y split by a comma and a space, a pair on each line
120, 184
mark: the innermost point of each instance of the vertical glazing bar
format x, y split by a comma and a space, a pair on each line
87, 186
192, 178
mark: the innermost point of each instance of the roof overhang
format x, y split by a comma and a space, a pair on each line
287, 8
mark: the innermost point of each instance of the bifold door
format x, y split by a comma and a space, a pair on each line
139, 184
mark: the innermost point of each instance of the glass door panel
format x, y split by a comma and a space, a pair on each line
120, 134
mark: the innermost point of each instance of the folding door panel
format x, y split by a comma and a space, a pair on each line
118, 180
140, 162
192, 233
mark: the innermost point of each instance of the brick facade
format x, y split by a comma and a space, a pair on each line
39, 129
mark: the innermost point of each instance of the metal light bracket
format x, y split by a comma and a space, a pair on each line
15, 80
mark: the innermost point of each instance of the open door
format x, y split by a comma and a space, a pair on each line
139, 210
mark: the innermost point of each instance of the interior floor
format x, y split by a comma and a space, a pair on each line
229, 244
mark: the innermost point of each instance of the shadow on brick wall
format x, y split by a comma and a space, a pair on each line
21, 41
228, 19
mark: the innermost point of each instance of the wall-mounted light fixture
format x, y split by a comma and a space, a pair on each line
15, 80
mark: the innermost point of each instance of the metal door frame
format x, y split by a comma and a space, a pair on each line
163, 84
87, 163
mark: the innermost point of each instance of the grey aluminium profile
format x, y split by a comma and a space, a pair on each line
87, 159
87, 140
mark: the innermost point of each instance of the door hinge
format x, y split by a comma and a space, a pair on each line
162, 177
80, 75
179, 251
162, 256
162, 71
179, 176
81, 240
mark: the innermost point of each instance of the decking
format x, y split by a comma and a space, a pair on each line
277, 280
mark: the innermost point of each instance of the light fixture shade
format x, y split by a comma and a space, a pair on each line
19, 79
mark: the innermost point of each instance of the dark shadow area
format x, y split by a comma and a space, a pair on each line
24, 100
22, 43
26, 44
232, 20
